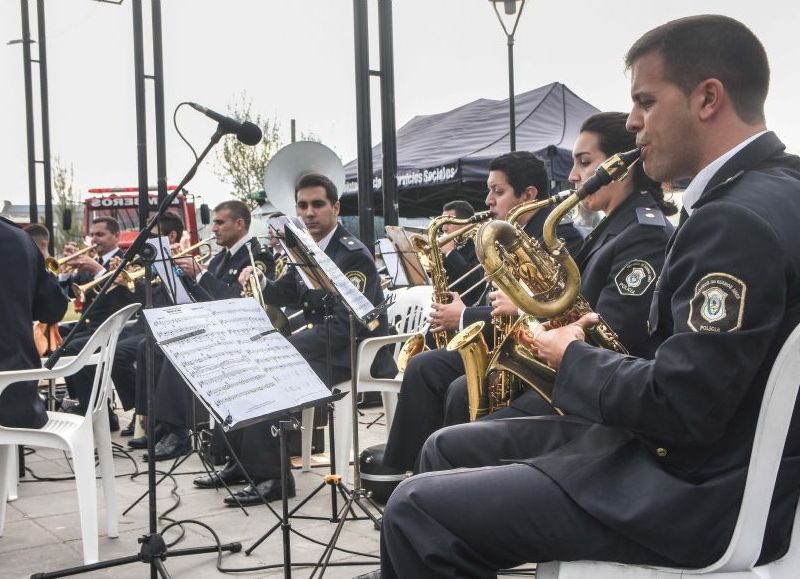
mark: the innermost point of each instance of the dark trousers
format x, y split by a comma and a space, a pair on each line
456, 410
79, 384
420, 405
488, 515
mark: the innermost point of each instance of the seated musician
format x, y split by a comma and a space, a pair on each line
104, 232
217, 280
33, 296
619, 260
459, 256
649, 464
317, 204
514, 179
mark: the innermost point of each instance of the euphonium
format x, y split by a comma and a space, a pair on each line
430, 252
543, 280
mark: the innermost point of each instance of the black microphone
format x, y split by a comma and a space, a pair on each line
246, 132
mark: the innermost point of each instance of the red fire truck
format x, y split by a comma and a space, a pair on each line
122, 203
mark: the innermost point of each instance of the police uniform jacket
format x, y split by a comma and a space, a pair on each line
565, 230
221, 279
34, 295
663, 457
619, 263
355, 261
457, 263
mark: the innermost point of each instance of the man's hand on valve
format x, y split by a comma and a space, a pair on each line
445, 317
502, 304
551, 344
189, 266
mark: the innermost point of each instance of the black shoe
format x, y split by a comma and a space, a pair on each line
141, 442
268, 490
230, 475
128, 430
176, 443
113, 420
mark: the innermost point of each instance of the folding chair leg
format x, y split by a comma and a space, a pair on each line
343, 432
83, 463
5, 473
102, 441
306, 437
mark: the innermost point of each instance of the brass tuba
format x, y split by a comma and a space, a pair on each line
543, 280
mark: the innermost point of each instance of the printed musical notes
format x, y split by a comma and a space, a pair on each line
231, 357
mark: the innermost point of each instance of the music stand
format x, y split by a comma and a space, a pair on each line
414, 270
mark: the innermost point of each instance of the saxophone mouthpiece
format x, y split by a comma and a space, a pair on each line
615, 168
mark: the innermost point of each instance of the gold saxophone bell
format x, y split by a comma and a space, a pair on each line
471, 344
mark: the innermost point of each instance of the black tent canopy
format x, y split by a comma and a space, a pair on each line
446, 155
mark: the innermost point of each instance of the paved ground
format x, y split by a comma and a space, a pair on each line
42, 531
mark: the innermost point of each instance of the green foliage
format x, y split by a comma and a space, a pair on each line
66, 198
240, 165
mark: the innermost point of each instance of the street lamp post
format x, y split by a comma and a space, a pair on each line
510, 9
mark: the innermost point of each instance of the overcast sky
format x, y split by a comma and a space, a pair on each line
295, 59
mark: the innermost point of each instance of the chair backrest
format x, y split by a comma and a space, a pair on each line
770, 438
103, 342
410, 309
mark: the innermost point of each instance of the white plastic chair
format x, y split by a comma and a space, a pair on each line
738, 561
77, 434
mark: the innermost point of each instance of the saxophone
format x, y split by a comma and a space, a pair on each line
543, 280
429, 249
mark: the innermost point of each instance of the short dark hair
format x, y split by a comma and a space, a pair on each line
523, 169
170, 222
38, 232
318, 180
696, 48
237, 209
111, 224
612, 138
462, 209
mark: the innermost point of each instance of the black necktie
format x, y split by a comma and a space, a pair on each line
223, 264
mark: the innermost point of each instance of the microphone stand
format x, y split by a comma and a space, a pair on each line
154, 550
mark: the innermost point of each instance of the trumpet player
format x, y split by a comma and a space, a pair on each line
219, 279
104, 232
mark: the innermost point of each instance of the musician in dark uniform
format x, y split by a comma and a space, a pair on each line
33, 296
104, 232
650, 463
459, 258
619, 260
317, 205
217, 280
514, 178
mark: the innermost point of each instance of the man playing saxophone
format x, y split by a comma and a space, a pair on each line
514, 178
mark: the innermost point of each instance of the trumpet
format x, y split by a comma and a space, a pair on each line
129, 276
204, 255
54, 265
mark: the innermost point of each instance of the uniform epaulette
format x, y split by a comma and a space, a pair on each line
350, 242
651, 216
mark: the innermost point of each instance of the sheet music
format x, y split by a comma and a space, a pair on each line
233, 359
358, 303
164, 270
392, 260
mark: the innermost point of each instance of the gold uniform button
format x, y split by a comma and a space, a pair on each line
661, 452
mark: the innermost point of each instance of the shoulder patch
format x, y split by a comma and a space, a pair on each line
651, 216
358, 279
717, 304
634, 278
350, 242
